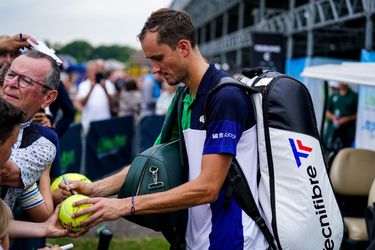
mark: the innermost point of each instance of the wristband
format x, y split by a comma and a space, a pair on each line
132, 210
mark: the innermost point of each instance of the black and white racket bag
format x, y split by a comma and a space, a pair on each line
299, 206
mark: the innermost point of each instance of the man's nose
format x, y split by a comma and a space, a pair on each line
12, 82
155, 68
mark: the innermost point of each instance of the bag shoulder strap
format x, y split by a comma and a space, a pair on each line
238, 186
176, 236
171, 118
242, 194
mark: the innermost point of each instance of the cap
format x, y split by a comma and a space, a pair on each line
333, 84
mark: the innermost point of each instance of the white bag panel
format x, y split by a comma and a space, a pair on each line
306, 208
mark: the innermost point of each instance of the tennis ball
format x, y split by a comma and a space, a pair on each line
69, 177
67, 210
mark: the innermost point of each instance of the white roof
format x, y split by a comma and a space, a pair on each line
348, 72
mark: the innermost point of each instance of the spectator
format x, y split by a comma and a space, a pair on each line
30, 84
5, 218
10, 119
9, 49
36, 203
51, 228
11, 45
165, 98
150, 91
341, 116
95, 95
130, 99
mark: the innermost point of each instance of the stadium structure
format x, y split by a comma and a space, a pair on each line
238, 33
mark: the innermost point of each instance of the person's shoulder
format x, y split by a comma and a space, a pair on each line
352, 93
84, 84
230, 92
48, 133
231, 95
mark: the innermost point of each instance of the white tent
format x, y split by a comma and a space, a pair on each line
349, 72
360, 73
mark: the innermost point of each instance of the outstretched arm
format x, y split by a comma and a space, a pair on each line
50, 228
105, 187
16, 42
204, 189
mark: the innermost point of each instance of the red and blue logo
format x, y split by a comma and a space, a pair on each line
302, 151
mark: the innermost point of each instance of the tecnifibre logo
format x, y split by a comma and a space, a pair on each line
299, 151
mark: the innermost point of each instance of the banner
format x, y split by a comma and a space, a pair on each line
148, 130
108, 146
268, 51
71, 150
365, 128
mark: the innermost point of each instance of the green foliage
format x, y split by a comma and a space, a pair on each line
121, 53
89, 243
80, 50
84, 51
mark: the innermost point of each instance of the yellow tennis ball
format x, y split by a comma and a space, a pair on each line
67, 210
69, 177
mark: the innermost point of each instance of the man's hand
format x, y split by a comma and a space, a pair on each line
77, 187
42, 119
102, 209
14, 43
10, 175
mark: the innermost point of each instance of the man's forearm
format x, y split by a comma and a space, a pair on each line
84, 100
110, 185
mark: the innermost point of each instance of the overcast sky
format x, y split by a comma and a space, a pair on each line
100, 22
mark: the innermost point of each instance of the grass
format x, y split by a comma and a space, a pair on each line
90, 243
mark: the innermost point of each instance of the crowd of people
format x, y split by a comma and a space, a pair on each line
37, 105
104, 93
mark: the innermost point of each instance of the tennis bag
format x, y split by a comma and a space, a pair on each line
157, 169
154, 170
300, 210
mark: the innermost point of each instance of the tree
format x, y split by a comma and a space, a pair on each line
80, 50
83, 51
121, 53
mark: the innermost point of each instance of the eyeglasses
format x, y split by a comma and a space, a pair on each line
24, 81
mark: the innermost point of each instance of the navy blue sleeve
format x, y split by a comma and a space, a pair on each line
63, 103
229, 113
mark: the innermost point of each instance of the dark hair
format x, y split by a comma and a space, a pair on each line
172, 26
3, 71
53, 77
10, 117
131, 85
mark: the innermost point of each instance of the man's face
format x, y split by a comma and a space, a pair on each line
31, 98
165, 61
7, 57
6, 147
91, 70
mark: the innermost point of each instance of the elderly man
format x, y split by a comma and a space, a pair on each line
30, 84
